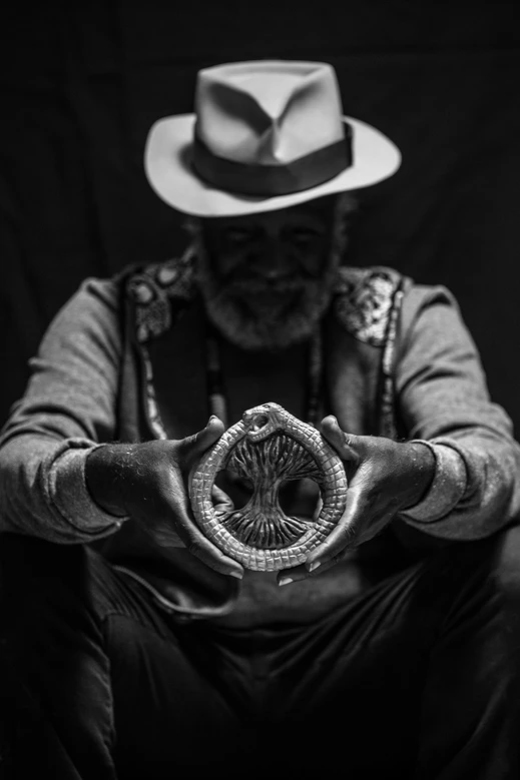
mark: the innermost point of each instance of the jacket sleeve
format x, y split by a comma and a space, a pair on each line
68, 408
443, 400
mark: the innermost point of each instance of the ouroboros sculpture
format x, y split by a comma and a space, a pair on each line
268, 446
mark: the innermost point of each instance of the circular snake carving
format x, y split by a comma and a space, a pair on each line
268, 447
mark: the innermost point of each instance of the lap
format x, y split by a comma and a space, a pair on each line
91, 639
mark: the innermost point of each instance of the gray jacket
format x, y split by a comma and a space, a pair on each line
114, 366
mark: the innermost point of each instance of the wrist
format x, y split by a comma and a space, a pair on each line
103, 468
422, 465
447, 488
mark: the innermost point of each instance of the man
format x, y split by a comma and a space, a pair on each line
137, 647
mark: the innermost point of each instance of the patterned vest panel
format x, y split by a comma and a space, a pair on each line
359, 344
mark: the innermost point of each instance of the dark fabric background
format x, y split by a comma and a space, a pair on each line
80, 84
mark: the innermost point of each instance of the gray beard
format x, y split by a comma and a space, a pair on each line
289, 315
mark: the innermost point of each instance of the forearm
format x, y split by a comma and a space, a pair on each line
67, 409
43, 491
475, 491
443, 399
109, 472
421, 467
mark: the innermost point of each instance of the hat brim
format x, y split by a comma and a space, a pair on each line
167, 162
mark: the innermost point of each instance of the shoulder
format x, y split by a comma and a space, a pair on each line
95, 300
100, 292
154, 292
144, 292
430, 303
367, 299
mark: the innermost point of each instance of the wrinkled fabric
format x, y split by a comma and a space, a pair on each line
417, 678
89, 385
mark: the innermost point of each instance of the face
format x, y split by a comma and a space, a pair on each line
266, 278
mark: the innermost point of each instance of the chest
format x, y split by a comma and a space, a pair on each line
171, 386
184, 377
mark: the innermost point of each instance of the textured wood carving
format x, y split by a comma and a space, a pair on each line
268, 447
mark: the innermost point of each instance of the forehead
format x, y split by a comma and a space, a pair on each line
315, 212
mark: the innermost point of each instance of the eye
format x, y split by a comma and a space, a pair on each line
236, 236
303, 237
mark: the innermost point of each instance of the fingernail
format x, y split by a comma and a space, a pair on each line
314, 565
236, 574
285, 580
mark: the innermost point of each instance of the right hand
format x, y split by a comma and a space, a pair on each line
148, 482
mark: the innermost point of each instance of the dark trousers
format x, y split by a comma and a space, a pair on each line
417, 677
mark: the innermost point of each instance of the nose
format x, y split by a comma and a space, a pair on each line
274, 262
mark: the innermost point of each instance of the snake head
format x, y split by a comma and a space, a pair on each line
261, 421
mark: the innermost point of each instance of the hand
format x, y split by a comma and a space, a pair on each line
222, 503
148, 482
384, 478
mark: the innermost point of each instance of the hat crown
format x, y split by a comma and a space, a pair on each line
268, 112
266, 135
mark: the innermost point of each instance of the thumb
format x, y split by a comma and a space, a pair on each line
343, 443
192, 447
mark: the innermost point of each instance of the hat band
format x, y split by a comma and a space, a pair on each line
269, 180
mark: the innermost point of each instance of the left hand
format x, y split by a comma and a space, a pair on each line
384, 478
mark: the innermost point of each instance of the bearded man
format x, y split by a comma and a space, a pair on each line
137, 646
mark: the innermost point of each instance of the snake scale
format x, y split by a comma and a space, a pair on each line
255, 535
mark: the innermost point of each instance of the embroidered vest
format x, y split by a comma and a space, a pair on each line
359, 345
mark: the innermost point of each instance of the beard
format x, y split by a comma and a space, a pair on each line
254, 314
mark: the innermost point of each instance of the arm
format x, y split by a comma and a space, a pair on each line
67, 409
457, 475
443, 399
62, 476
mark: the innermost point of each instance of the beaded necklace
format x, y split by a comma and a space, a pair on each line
216, 386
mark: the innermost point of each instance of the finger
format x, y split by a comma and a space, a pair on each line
196, 541
192, 447
200, 546
221, 499
218, 495
344, 534
287, 576
294, 574
301, 572
214, 558
344, 444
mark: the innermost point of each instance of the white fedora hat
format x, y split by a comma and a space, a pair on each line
265, 135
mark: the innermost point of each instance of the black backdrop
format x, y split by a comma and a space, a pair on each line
81, 83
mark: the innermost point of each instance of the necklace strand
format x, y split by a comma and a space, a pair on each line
216, 388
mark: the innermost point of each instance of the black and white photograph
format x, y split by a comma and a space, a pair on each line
259, 390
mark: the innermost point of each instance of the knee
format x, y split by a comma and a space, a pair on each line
490, 569
42, 585
31, 564
505, 564
495, 559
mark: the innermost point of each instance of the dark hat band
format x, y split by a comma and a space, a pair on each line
270, 180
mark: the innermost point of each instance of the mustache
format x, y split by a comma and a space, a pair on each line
252, 285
